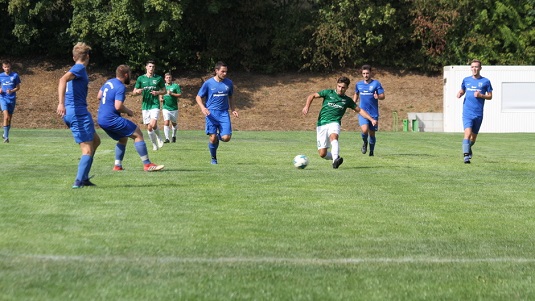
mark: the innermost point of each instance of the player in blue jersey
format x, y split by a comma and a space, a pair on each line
369, 91
335, 104
72, 93
9, 85
217, 91
477, 89
111, 98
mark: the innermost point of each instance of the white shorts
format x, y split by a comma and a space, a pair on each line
170, 115
148, 115
323, 132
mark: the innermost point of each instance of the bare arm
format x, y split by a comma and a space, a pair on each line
199, 101
460, 93
379, 96
366, 115
232, 106
310, 98
62, 86
121, 108
356, 97
487, 96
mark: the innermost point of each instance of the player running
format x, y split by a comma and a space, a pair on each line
335, 104
111, 97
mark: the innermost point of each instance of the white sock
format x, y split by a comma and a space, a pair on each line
152, 137
335, 149
329, 156
174, 130
157, 131
166, 131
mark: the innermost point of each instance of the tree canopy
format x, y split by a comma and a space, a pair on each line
275, 35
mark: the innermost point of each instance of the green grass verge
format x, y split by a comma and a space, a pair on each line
411, 223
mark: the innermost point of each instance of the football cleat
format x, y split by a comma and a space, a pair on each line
166, 141
77, 184
467, 160
364, 148
338, 162
214, 161
152, 167
117, 168
174, 139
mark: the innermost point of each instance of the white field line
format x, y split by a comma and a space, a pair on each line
267, 260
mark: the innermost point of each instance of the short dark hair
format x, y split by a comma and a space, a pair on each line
220, 64
366, 67
6, 62
150, 62
476, 61
343, 79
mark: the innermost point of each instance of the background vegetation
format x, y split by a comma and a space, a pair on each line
275, 35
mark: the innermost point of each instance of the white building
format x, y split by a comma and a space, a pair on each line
512, 108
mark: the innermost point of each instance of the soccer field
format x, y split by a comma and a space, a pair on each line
411, 223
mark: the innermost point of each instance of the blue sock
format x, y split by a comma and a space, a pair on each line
6, 131
83, 167
120, 150
364, 138
141, 149
466, 146
213, 149
372, 143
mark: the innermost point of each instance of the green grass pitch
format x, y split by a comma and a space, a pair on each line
411, 223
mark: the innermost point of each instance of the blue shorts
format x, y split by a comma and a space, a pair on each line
363, 121
473, 122
82, 127
218, 122
119, 128
8, 106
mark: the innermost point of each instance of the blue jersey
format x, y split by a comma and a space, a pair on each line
472, 106
112, 90
366, 92
217, 93
76, 93
9, 82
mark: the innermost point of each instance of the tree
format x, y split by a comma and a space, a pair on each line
351, 32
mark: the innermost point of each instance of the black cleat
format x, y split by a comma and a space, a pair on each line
338, 162
364, 148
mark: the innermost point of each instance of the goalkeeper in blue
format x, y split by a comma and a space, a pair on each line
476, 89
111, 98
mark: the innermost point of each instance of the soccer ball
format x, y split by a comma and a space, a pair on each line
300, 161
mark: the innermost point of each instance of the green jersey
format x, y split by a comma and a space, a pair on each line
170, 103
148, 84
334, 107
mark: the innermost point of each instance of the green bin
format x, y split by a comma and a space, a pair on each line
405, 125
415, 127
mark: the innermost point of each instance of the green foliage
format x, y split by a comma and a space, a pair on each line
350, 33
275, 35
39, 26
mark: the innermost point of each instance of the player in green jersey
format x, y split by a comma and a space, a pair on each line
335, 104
150, 86
170, 107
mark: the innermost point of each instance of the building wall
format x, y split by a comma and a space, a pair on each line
505, 113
